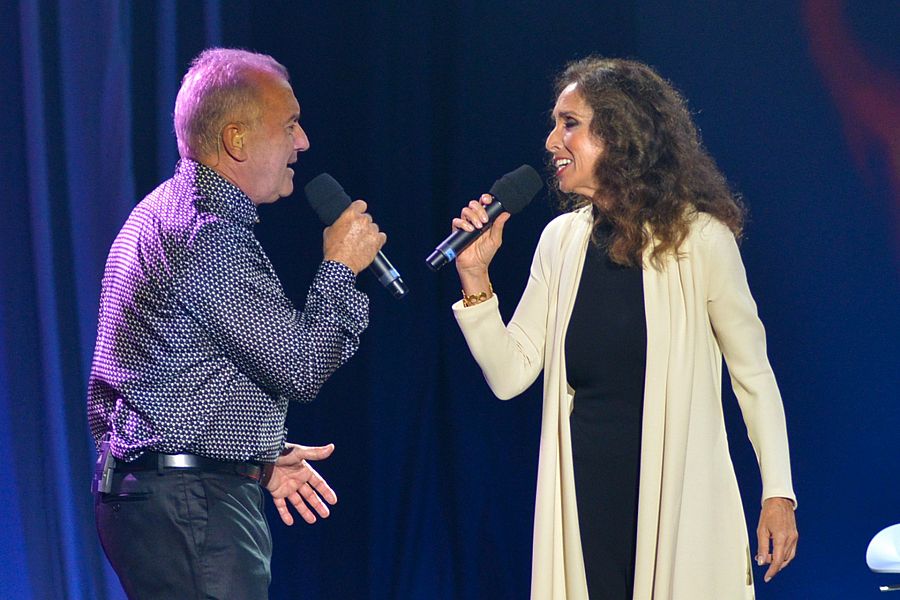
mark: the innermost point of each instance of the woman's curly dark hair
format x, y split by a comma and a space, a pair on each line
654, 170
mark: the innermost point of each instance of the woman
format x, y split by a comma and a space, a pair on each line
632, 301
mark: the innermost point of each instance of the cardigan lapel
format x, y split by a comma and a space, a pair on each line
657, 314
572, 255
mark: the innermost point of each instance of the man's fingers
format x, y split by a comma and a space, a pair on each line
283, 511
301, 500
314, 452
302, 509
313, 499
356, 208
321, 486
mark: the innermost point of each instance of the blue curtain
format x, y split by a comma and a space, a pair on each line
417, 107
69, 182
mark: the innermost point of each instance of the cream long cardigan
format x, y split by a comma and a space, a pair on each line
692, 541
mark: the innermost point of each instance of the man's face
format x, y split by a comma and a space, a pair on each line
272, 142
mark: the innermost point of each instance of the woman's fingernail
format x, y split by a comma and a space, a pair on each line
760, 561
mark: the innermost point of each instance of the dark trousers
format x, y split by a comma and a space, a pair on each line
186, 534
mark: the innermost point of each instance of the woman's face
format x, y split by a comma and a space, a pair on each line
575, 150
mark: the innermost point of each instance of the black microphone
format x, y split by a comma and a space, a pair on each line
511, 193
329, 200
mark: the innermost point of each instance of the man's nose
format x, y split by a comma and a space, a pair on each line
301, 140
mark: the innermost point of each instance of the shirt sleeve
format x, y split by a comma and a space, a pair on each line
228, 285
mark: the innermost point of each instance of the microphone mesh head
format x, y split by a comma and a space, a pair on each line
517, 188
326, 197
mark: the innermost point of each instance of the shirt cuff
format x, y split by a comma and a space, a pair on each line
337, 272
335, 282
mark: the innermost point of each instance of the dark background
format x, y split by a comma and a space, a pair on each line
418, 107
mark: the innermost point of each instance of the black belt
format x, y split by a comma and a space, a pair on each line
153, 461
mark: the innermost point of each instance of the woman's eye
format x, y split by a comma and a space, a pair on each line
570, 124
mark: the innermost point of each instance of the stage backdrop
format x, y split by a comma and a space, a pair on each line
418, 107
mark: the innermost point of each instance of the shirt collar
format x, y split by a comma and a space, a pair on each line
217, 194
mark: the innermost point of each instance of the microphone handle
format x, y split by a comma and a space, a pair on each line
388, 276
460, 239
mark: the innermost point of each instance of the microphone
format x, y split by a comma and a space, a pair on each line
329, 200
511, 193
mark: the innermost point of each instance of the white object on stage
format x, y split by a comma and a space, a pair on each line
883, 554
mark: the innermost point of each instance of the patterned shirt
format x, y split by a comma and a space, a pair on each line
198, 348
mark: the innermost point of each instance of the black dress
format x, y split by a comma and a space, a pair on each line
606, 353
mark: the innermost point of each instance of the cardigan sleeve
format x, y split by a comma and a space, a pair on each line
510, 356
742, 339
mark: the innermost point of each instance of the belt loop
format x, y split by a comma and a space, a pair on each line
160, 463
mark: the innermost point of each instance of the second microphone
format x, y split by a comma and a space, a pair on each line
511, 193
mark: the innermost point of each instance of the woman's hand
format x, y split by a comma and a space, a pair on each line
472, 263
778, 525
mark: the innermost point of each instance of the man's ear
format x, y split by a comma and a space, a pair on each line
233, 140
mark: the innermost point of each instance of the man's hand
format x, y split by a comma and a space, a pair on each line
778, 524
354, 239
294, 480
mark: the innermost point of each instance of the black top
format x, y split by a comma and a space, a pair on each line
606, 352
198, 348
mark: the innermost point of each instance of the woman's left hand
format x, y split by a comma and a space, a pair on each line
777, 525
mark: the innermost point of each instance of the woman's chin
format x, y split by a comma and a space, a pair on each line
561, 184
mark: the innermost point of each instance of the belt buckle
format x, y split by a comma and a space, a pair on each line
177, 461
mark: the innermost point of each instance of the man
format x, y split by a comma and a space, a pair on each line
199, 351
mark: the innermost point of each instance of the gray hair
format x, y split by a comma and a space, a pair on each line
218, 88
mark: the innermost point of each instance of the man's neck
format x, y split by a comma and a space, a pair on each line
223, 168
